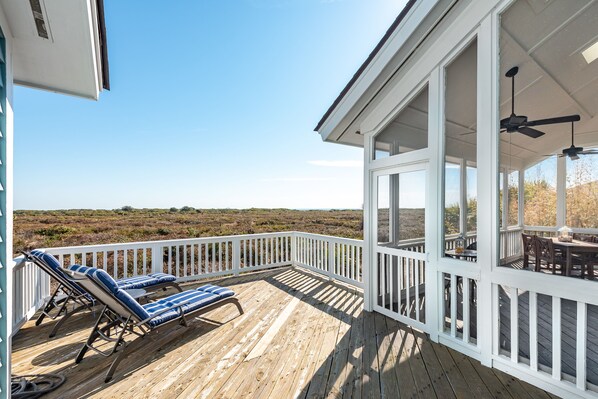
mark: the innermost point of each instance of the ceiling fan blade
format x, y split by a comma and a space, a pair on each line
588, 152
550, 121
528, 131
574, 157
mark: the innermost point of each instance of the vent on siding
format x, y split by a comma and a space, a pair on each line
38, 17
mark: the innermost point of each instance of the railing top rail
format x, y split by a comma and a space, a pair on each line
179, 241
555, 228
574, 289
331, 238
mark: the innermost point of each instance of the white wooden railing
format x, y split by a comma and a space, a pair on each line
31, 288
192, 259
510, 239
534, 324
335, 257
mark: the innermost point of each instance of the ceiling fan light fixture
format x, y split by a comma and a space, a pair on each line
591, 53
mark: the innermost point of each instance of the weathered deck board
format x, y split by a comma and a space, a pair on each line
327, 347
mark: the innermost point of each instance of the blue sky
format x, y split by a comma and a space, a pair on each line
213, 105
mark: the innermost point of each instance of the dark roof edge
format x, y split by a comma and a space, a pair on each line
367, 62
103, 46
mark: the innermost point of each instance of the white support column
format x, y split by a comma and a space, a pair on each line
487, 178
561, 191
463, 197
521, 198
434, 202
505, 200
368, 237
393, 211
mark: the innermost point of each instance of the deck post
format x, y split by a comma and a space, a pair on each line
561, 194
331, 259
236, 256
434, 237
487, 179
156, 259
294, 249
368, 214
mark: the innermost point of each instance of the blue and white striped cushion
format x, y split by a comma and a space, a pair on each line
214, 289
132, 283
197, 299
51, 261
104, 279
145, 281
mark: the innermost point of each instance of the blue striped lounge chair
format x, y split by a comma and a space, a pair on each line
69, 293
122, 315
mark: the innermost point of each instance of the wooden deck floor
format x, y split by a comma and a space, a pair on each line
301, 336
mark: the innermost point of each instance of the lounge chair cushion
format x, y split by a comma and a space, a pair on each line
195, 299
132, 283
104, 279
145, 281
55, 266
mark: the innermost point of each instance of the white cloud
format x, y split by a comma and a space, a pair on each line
347, 163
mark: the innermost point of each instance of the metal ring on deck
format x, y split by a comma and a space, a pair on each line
35, 385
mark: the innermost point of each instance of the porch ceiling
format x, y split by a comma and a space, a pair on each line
546, 39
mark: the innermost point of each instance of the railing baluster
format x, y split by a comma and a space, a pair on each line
453, 305
417, 304
533, 330
383, 268
392, 281
514, 325
125, 263
556, 338
580, 342
466, 314
145, 267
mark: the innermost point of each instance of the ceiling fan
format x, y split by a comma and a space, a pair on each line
519, 123
574, 152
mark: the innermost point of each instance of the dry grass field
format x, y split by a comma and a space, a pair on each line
41, 229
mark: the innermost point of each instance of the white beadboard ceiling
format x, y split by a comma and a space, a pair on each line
545, 40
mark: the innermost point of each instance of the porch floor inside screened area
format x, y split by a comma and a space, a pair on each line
300, 336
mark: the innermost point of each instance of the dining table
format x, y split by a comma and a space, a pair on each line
574, 247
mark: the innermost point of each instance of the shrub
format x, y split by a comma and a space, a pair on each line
54, 231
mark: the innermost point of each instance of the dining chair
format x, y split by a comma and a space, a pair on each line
529, 251
545, 253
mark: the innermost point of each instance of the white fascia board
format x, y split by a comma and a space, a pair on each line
94, 35
408, 25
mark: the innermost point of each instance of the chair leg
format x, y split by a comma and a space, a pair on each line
64, 318
92, 337
125, 349
177, 287
238, 305
51, 305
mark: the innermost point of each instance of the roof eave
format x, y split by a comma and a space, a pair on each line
367, 62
